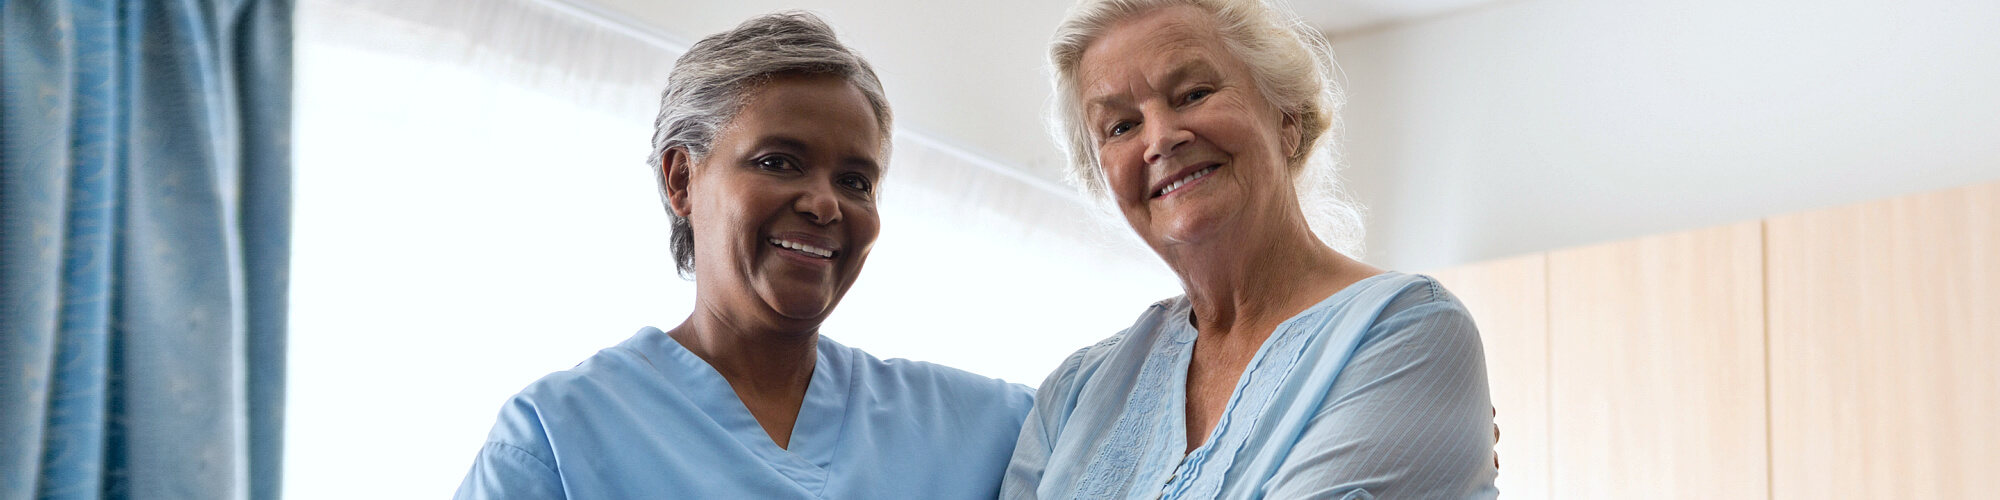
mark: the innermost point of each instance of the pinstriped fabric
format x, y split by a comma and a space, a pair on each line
1112, 470
1288, 353
1378, 391
1425, 355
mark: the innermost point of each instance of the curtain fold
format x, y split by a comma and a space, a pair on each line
146, 188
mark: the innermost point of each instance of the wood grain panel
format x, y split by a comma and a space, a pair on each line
1885, 348
1656, 366
1509, 302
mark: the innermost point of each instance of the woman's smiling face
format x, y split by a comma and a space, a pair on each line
783, 206
1192, 151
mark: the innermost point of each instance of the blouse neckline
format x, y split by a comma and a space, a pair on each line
1252, 394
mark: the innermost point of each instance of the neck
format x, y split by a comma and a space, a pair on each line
1236, 288
759, 362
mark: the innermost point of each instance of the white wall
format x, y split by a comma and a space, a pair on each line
965, 72
1541, 124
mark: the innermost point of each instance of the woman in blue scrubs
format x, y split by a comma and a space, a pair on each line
1288, 369
770, 145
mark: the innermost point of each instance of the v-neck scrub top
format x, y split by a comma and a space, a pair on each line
649, 419
1378, 391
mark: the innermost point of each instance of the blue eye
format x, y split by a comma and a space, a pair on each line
1197, 95
1119, 129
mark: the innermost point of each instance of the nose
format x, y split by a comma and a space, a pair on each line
818, 203
1164, 136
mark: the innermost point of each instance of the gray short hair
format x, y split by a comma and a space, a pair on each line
707, 86
1292, 65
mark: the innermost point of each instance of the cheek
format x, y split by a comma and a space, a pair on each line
716, 211
862, 230
1124, 172
1263, 132
734, 219
865, 228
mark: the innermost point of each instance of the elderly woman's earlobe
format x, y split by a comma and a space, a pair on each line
675, 168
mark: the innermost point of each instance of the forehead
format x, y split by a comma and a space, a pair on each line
824, 112
1147, 47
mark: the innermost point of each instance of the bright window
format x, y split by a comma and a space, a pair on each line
458, 236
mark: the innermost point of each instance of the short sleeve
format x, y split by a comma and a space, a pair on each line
1409, 417
516, 463
1053, 401
505, 472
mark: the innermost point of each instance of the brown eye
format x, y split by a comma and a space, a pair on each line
776, 163
858, 183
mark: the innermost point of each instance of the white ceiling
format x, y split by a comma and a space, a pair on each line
969, 74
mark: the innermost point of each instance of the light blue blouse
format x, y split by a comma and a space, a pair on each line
649, 419
1377, 391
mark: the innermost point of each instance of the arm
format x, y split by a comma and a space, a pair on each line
1404, 418
1031, 457
1054, 401
1037, 441
506, 471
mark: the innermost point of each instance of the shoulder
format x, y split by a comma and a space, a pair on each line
571, 396
1396, 298
599, 376
1387, 306
1422, 297
1415, 311
1120, 355
1395, 291
1084, 363
1419, 290
924, 382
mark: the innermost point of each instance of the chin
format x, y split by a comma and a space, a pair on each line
802, 309
1193, 219
801, 305
805, 313
1191, 228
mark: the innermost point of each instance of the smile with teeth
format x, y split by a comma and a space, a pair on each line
803, 248
1183, 182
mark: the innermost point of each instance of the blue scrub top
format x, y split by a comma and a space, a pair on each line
1378, 391
649, 419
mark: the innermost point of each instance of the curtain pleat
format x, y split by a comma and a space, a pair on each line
145, 171
266, 226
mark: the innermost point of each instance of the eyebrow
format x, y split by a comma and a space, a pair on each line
873, 169
1182, 71
783, 142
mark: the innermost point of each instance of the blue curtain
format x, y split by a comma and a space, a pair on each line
145, 179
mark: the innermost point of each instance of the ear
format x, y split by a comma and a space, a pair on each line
675, 170
1288, 128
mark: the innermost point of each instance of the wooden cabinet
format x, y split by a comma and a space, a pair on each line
1852, 352
1656, 354
1885, 348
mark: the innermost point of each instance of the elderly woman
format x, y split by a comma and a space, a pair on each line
1287, 370
770, 147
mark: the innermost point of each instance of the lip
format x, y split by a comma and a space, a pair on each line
1184, 172
809, 241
